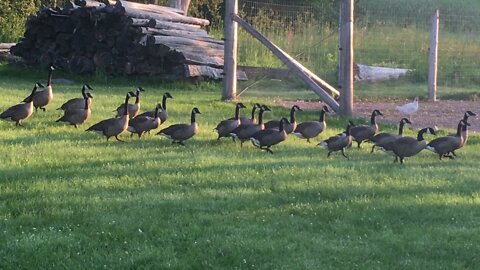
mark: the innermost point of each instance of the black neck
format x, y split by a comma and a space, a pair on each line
156, 112
30, 97
164, 102
400, 128
420, 134
125, 111
464, 127
137, 98
253, 113
372, 119
292, 115
237, 112
322, 115
260, 117
347, 132
83, 92
49, 82
192, 118
86, 102
459, 128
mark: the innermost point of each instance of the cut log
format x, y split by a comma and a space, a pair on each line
210, 72
142, 11
171, 25
179, 33
6, 46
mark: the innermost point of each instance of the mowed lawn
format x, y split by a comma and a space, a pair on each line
71, 200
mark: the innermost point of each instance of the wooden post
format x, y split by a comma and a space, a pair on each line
175, 4
317, 85
230, 53
345, 79
185, 5
433, 58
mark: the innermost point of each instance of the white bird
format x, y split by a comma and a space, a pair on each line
409, 109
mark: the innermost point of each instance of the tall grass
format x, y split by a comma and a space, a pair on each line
389, 34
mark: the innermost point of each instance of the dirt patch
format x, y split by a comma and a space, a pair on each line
442, 114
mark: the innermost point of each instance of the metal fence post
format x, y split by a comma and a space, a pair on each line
433, 58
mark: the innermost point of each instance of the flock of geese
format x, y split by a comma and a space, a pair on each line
262, 135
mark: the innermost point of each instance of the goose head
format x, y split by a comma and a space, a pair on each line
376, 113
195, 111
468, 114
52, 67
325, 109
240, 105
405, 121
296, 108
167, 95
38, 85
265, 108
86, 87
140, 89
131, 94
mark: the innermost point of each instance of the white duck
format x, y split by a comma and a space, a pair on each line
409, 109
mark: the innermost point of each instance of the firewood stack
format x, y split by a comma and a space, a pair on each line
121, 38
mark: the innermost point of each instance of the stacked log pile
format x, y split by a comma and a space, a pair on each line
121, 38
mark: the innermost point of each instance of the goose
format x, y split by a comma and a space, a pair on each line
409, 109
114, 126
252, 120
21, 111
383, 138
289, 126
266, 138
338, 142
179, 133
244, 131
43, 97
77, 116
311, 129
78, 103
142, 124
226, 126
447, 144
361, 133
163, 113
410, 146
466, 115
132, 109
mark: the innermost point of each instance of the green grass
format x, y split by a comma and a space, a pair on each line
70, 200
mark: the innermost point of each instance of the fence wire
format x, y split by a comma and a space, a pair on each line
384, 37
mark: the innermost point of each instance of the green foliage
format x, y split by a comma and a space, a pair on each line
13, 15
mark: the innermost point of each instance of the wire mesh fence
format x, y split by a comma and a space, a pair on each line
394, 38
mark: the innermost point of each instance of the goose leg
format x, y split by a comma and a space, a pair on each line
308, 140
328, 155
373, 148
43, 109
343, 153
118, 139
396, 159
358, 144
268, 150
453, 153
401, 160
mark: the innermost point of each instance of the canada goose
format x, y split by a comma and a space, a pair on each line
132, 109
244, 131
362, 132
311, 129
409, 109
338, 142
252, 120
181, 132
142, 124
114, 126
163, 113
78, 103
466, 115
409, 146
226, 126
447, 144
266, 138
289, 126
77, 116
383, 138
43, 97
21, 111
